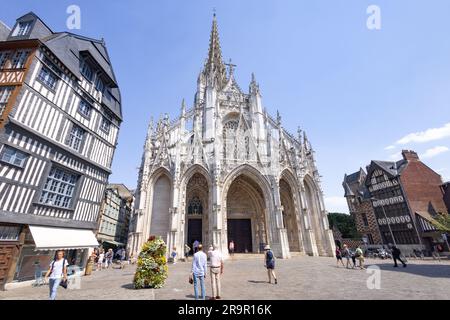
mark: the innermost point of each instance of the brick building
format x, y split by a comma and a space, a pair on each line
360, 206
446, 191
405, 196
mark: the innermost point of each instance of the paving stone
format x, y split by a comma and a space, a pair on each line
246, 279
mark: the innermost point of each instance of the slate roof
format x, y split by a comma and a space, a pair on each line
70, 47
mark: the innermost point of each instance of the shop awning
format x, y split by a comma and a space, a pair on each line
426, 221
114, 242
48, 238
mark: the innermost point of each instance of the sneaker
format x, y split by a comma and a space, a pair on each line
218, 298
404, 266
276, 281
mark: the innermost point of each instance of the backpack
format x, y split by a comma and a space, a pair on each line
269, 256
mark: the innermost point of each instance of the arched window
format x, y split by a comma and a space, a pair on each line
195, 206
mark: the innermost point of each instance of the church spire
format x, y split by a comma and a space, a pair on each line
215, 69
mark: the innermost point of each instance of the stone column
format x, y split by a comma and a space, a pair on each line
173, 233
280, 244
311, 248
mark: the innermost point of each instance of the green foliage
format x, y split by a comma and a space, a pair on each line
442, 222
345, 224
152, 268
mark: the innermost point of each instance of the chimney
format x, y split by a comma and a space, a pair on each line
410, 155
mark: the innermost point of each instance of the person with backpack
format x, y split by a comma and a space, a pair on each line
359, 255
396, 256
57, 274
269, 263
339, 257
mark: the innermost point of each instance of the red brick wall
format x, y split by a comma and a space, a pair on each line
422, 185
446, 190
357, 210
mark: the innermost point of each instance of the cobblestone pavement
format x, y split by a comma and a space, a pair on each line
298, 278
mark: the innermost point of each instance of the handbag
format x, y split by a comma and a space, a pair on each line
191, 279
63, 283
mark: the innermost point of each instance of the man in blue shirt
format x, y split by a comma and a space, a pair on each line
199, 268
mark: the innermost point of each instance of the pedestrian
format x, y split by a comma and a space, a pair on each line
216, 270
359, 255
347, 255
435, 252
396, 256
57, 273
123, 258
231, 247
269, 263
339, 257
100, 260
195, 246
353, 253
173, 254
199, 271
187, 250
109, 256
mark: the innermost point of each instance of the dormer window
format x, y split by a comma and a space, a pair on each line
22, 29
86, 70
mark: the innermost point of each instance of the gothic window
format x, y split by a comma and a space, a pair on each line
195, 206
229, 134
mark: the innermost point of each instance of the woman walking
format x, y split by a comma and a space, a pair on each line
269, 263
339, 257
56, 273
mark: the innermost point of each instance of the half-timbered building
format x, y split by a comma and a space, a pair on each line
60, 114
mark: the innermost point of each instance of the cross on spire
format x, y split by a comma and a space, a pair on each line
231, 67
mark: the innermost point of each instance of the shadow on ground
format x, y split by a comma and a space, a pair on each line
129, 286
425, 270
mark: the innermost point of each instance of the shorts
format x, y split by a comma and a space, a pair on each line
339, 257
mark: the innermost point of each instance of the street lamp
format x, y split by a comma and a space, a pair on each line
387, 220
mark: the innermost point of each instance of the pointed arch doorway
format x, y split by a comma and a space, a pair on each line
197, 204
246, 223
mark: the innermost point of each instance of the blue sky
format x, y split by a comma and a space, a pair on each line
360, 94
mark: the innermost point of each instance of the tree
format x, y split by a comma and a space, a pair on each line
344, 223
152, 268
442, 222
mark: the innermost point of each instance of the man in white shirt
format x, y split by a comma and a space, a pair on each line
199, 271
216, 261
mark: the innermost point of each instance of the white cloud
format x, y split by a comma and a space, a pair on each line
433, 152
389, 148
428, 135
336, 204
